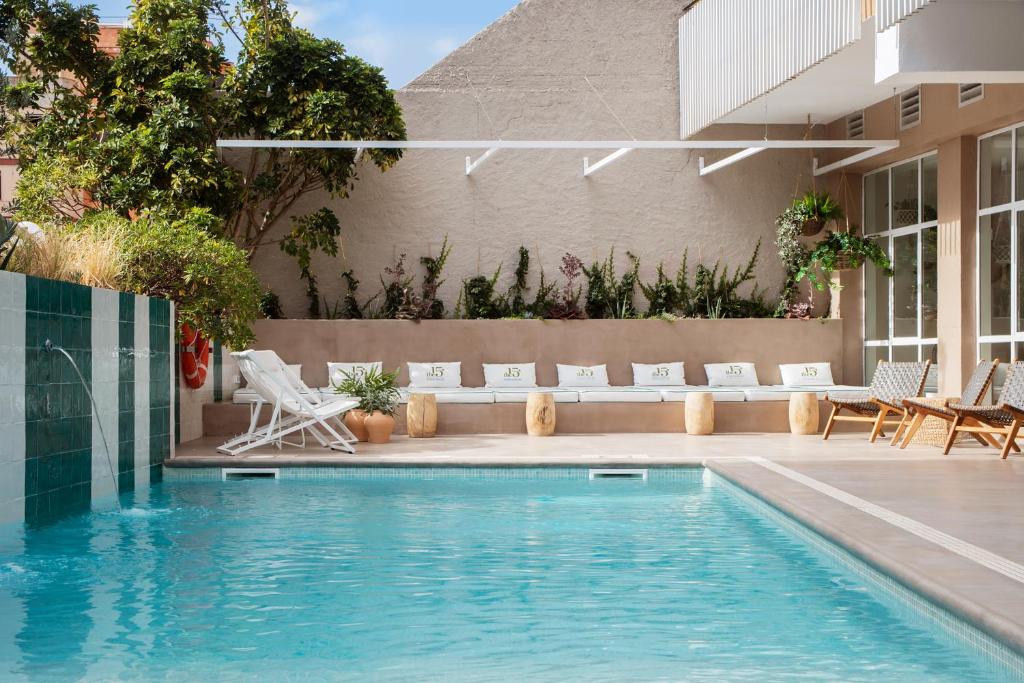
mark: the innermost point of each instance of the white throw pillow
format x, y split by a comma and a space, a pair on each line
582, 375
336, 371
658, 374
297, 369
501, 375
731, 374
806, 374
435, 375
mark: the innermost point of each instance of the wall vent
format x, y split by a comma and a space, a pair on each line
855, 126
910, 108
971, 92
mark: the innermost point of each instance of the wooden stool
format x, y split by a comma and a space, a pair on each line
421, 416
803, 412
700, 413
540, 413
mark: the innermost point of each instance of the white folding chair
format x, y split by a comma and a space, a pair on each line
295, 408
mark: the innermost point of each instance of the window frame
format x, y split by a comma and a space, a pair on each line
1015, 207
888, 235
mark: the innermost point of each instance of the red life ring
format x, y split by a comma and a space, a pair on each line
195, 357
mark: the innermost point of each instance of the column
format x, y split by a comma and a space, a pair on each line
956, 263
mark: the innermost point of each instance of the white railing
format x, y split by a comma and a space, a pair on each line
734, 51
891, 12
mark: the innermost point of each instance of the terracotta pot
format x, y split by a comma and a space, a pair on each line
379, 427
355, 421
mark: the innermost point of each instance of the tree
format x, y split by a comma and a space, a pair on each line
139, 127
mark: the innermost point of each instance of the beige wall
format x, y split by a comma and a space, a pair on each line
8, 179
617, 343
952, 131
589, 69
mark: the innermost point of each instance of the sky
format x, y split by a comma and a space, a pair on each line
404, 37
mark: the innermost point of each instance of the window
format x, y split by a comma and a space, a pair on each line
1000, 245
901, 312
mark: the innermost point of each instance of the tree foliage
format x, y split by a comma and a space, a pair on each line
135, 131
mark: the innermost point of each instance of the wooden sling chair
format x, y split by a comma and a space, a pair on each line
891, 383
1004, 418
919, 410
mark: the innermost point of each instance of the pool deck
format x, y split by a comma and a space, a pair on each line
949, 527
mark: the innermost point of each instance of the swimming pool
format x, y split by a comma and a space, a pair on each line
458, 575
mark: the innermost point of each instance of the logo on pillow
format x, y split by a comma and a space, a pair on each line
435, 371
512, 373
734, 370
809, 372
585, 372
660, 371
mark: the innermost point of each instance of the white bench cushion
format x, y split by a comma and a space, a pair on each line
720, 394
505, 395
619, 395
779, 392
457, 395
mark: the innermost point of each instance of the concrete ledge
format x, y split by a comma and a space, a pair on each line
991, 602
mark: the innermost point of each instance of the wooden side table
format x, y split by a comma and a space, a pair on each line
540, 413
421, 416
700, 413
803, 412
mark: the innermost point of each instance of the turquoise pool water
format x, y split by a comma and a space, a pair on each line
452, 578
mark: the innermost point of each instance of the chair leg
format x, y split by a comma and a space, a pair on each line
882, 414
912, 430
951, 437
1011, 437
831, 422
899, 429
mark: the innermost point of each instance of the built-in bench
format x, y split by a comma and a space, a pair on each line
473, 409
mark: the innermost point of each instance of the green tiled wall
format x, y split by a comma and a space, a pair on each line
58, 414
159, 384
126, 392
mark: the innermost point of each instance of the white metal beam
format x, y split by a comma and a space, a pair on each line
618, 154
473, 165
860, 156
731, 159
558, 144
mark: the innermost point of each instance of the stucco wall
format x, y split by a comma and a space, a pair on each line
616, 343
553, 69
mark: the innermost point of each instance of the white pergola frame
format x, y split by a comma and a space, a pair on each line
746, 148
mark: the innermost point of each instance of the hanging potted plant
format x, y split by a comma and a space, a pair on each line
815, 210
840, 251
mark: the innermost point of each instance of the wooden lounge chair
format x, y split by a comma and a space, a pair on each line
918, 410
1004, 418
892, 383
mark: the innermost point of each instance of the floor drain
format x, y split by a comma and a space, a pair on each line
618, 473
227, 473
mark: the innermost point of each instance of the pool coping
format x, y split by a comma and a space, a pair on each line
874, 554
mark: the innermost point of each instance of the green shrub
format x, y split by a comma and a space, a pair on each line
608, 295
209, 279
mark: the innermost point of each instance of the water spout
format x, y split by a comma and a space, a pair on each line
49, 346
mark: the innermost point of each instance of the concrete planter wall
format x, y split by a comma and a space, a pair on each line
617, 343
52, 455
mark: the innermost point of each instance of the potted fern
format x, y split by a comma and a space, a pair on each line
840, 251
815, 210
379, 400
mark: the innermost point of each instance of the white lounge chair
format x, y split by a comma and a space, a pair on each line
295, 408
